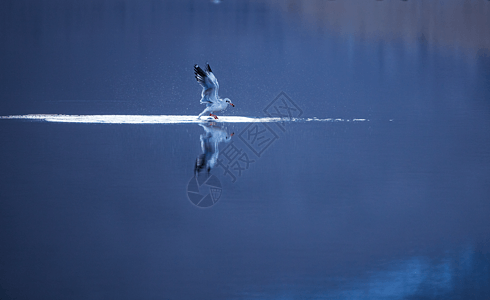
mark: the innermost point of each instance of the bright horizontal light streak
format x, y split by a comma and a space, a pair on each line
162, 119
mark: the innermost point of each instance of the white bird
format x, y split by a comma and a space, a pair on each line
209, 95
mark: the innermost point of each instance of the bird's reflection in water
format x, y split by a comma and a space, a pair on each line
212, 136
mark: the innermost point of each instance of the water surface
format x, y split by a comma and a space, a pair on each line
391, 207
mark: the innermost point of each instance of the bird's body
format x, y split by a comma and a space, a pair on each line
209, 95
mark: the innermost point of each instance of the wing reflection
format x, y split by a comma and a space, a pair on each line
212, 136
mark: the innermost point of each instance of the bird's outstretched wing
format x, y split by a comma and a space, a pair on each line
208, 82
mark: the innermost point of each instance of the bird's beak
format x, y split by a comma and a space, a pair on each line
232, 134
232, 104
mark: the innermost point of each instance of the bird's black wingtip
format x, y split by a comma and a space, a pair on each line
199, 73
208, 68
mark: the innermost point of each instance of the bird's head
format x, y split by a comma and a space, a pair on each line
229, 102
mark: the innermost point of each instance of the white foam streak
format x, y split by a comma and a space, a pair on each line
160, 119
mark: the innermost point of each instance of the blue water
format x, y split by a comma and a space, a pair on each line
394, 206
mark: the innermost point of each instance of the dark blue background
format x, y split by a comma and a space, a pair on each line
393, 208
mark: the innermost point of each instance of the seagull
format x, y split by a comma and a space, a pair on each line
209, 93
213, 135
